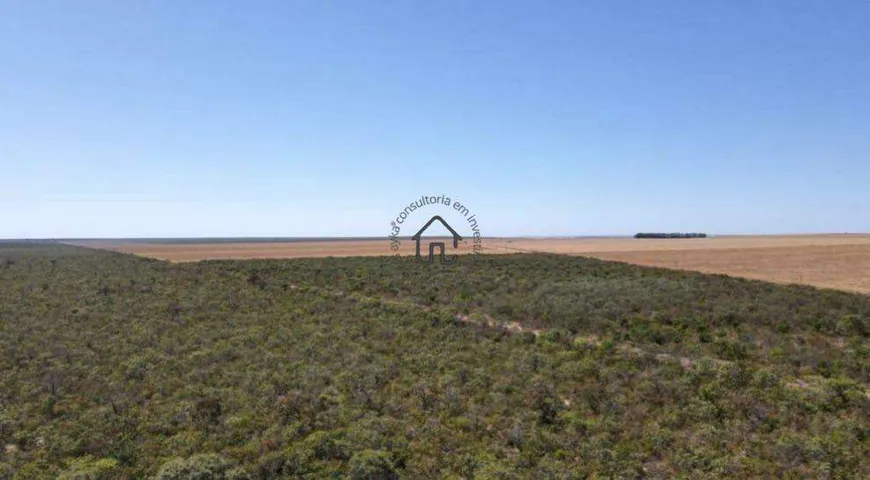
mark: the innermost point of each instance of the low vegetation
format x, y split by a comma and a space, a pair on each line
670, 235
514, 366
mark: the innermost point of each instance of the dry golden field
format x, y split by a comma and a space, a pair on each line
192, 252
845, 267
833, 261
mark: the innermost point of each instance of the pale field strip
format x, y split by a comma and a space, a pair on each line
829, 261
192, 252
843, 267
611, 245
840, 261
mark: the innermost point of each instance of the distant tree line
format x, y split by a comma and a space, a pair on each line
670, 235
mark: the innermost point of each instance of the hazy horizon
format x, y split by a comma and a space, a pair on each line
266, 239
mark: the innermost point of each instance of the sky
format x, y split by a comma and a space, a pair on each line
208, 118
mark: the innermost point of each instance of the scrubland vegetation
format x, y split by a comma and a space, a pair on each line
114, 366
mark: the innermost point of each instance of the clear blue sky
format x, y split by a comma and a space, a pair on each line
313, 118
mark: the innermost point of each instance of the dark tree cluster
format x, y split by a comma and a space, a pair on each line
670, 235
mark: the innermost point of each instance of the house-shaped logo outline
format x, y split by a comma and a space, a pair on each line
419, 235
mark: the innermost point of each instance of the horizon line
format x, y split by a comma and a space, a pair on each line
264, 239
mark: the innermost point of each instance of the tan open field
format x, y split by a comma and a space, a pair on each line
192, 252
845, 267
833, 261
830, 261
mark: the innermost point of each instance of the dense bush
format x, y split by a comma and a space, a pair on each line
198, 467
88, 468
125, 367
372, 465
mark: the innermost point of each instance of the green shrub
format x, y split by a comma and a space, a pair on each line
271, 465
6, 471
88, 468
496, 470
841, 392
730, 350
206, 466
853, 325
237, 473
372, 465
328, 445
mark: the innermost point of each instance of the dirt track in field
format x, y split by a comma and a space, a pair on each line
832, 261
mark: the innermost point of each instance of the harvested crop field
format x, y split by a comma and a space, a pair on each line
830, 261
845, 267
192, 252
